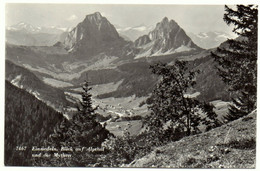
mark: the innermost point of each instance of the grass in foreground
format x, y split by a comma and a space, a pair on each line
230, 146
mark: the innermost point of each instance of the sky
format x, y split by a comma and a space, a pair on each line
192, 18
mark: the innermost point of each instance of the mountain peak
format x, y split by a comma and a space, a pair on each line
165, 20
167, 37
95, 17
92, 35
98, 14
167, 23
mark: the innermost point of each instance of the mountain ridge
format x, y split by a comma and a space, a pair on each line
49, 35
25, 79
29, 28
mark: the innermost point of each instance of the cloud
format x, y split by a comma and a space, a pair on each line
72, 17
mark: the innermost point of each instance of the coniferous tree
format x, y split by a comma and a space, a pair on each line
85, 130
60, 136
81, 131
238, 60
173, 113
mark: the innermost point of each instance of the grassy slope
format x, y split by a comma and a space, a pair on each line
230, 146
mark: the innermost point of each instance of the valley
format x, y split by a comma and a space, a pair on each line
120, 79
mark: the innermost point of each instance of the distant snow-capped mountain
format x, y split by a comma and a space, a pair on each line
29, 35
24, 27
134, 32
209, 40
28, 28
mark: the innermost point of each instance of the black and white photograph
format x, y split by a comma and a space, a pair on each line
130, 85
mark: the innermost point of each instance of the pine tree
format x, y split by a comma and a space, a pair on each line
85, 130
59, 137
173, 113
238, 60
82, 129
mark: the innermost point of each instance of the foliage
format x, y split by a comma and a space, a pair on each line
238, 59
123, 150
173, 113
85, 126
102, 118
82, 131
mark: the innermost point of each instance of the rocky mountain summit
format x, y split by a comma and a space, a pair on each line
92, 36
167, 38
95, 34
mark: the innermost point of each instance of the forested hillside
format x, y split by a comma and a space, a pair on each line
28, 122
